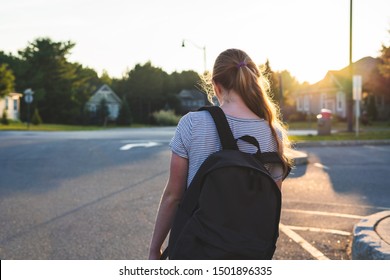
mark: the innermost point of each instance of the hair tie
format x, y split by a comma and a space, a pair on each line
241, 64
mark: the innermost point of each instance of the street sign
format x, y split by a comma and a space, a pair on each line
28, 98
28, 95
357, 87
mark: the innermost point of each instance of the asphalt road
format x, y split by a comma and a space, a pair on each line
94, 195
324, 199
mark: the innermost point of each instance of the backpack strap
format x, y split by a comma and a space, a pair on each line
229, 143
225, 134
251, 140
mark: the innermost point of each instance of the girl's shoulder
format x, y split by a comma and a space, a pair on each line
195, 118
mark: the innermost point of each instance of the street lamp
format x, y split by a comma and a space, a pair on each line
183, 44
28, 98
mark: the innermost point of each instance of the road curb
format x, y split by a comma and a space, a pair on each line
299, 158
341, 143
367, 244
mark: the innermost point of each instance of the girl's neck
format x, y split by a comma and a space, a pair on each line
233, 105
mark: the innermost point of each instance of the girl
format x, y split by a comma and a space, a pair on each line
242, 93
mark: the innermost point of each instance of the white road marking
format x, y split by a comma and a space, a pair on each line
312, 229
134, 145
339, 204
376, 148
341, 215
319, 165
303, 243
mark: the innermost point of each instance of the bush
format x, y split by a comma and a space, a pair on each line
166, 118
4, 118
297, 117
36, 118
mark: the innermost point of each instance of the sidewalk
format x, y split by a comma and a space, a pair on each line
371, 236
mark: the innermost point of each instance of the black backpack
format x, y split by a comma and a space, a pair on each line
231, 209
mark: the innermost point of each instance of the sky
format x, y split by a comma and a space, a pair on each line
305, 37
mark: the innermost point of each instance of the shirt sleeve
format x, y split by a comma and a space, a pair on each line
180, 142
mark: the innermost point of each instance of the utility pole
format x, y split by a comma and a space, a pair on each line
350, 68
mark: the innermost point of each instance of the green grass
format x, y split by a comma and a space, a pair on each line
336, 125
344, 136
376, 131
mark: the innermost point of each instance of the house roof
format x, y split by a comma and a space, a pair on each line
104, 92
191, 94
340, 79
14, 94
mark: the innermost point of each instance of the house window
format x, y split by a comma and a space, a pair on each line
323, 100
379, 100
306, 103
114, 111
92, 107
6, 103
340, 101
15, 105
299, 104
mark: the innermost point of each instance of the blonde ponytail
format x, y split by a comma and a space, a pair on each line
234, 69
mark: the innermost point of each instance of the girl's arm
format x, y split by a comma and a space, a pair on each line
169, 202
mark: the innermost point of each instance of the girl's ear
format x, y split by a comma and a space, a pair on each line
217, 89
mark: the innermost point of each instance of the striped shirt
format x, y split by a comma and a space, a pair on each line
196, 138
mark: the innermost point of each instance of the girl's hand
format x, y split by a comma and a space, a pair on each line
155, 255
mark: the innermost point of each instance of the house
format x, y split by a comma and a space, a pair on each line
331, 92
113, 102
192, 100
11, 105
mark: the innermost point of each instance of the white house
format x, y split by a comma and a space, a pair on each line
113, 102
11, 104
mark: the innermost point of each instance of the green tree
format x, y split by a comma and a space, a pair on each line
288, 83
124, 117
86, 83
105, 78
51, 77
18, 68
282, 86
4, 118
36, 118
378, 84
144, 88
384, 66
183, 80
372, 111
6, 80
149, 89
61, 88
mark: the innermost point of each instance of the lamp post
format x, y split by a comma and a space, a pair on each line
28, 98
183, 44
